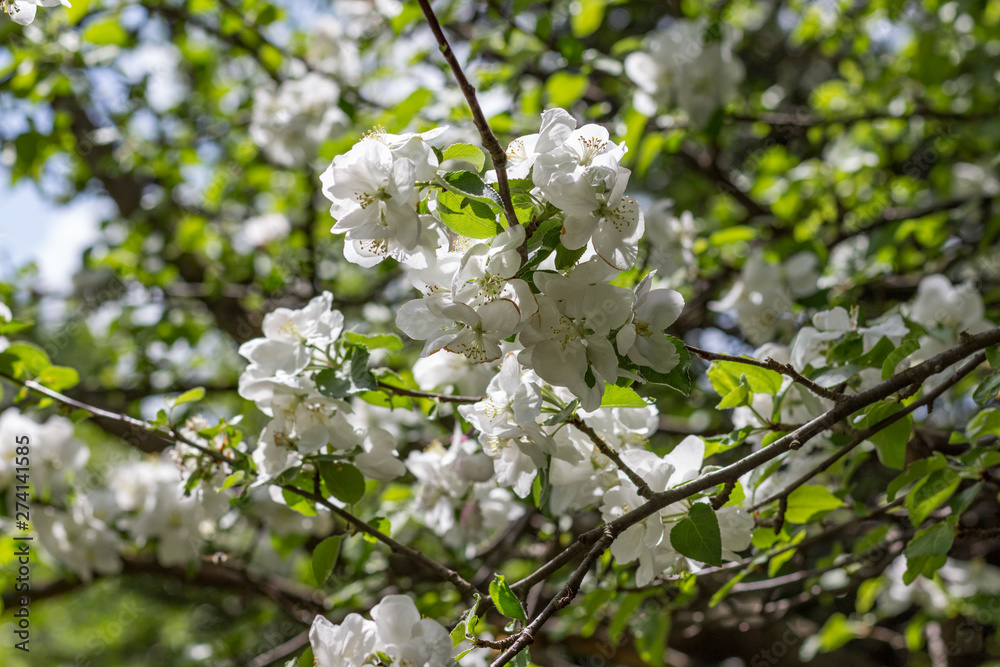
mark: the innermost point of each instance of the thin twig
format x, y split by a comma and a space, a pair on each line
863, 435
467, 589
771, 365
282, 651
569, 591
606, 449
490, 142
172, 434
416, 393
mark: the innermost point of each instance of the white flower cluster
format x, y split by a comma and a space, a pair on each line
84, 529
571, 326
686, 66
56, 456
396, 632
648, 541
291, 120
281, 380
23, 11
763, 296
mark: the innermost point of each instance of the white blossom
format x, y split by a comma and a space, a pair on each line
291, 121
23, 11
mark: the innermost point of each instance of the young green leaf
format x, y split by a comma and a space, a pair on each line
343, 481
621, 397
466, 152
933, 541
190, 396
505, 600
325, 557
697, 535
808, 501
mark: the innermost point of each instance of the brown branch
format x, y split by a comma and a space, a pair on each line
771, 365
606, 449
569, 591
851, 404
416, 393
281, 652
467, 589
864, 434
139, 424
490, 142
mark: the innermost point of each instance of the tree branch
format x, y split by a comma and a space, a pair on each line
771, 365
863, 435
490, 142
415, 393
569, 591
467, 589
606, 449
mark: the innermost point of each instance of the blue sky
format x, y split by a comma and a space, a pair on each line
34, 229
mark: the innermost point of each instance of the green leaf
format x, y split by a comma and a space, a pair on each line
808, 501
232, 480
734, 234
890, 442
913, 472
467, 217
331, 383
651, 637
385, 341
621, 397
77, 11
740, 395
343, 481
878, 355
993, 356
458, 634
564, 88
905, 349
521, 659
988, 390
379, 523
836, 632
726, 376
106, 31
353, 378
298, 503
307, 659
29, 358
325, 557
467, 152
586, 16
697, 535
679, 377
190, 396
922, 565
986, 422
933, 541
721, 594
566, 258
930, 493
59, 378
473, 186
13, 327
361, 377
505, 600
